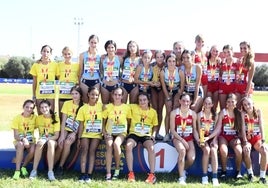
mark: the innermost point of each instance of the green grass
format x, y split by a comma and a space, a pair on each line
70, 180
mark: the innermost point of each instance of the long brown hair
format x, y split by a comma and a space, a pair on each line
248, 59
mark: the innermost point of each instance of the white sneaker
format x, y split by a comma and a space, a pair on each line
51, 176
166, 138
33, 174
204, 180
181, 181
215, 182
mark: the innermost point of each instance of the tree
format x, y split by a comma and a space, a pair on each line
261, 75
18, 67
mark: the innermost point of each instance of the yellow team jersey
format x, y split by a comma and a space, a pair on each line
25, 127
45, 75
68, 78
91, 116
45, 126
117, 118
69, 108
142, 121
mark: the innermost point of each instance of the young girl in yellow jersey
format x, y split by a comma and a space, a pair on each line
69, 72
116, 117
69, 127
49, 128
89, 132
143, 129
44, 72
23, 126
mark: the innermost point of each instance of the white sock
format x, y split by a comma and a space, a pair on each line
250, 171
262, 174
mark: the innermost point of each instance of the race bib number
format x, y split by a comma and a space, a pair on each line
46, 87
145, 129
72, 124
94, 127
65, 87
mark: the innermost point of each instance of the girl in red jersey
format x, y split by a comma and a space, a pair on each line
183, 129
213, 73
206, 121
245, 71
229, 126
228, 73
255, 136
200, 58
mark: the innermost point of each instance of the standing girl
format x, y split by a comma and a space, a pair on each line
49, 127
183, 130
144, 73
193, 73
201, 59
213, 72
69, 127
158, 97
206, 121
131, 61
69, 73
23, 126
116, 118
44, 72
245, 71
178, 48
172, 81
89, 67
228, 73
110, 71
90, 132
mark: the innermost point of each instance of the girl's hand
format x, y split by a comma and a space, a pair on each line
185, 144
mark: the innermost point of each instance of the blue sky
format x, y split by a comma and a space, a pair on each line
26, 25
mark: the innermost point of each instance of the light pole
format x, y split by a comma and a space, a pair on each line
79, 22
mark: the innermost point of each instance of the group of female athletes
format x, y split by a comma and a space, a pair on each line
133, 91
